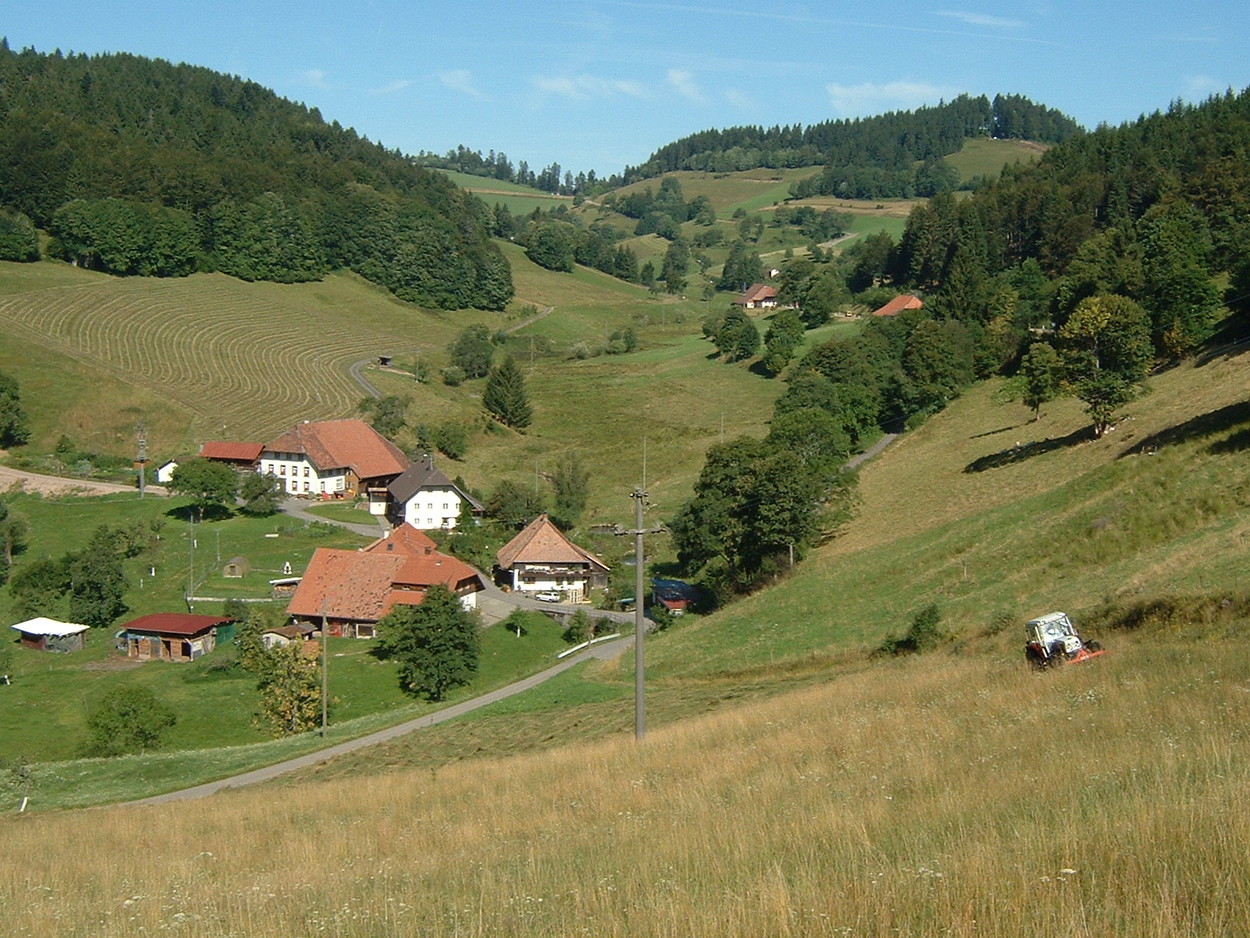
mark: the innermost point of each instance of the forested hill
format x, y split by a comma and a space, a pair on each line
887, 145
137, 166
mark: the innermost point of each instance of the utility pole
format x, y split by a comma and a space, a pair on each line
325, 673
640, 619
141, 457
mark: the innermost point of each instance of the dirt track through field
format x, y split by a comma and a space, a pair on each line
56, 485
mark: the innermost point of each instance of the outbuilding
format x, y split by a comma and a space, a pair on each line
170, 636
44, 634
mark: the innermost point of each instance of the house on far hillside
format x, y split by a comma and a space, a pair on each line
426, 499
44, 634
757, 296
898, 304
353, 589
242, 457
334, 458
173, 636
542, 560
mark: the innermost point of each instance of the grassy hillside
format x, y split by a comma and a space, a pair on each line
791, 783
985, 157
209, 356
521, 200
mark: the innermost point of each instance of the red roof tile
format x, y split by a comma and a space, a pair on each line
174, 623
542, 542
230, 451
898, 304
363, 585
343, 444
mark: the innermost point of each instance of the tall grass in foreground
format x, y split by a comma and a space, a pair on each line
935, 796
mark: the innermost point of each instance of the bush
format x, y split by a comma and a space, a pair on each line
129, 719
924, 634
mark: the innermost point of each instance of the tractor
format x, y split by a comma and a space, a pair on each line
1053, 640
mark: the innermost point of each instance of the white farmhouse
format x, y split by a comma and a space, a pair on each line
426, 499
334, 457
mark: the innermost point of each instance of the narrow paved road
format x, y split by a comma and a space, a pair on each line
604, 651
59, 485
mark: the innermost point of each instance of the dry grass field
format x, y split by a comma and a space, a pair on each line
938, 796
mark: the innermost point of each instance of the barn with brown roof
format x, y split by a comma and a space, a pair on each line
170, 636
334, 457
898, 304
241, 456
541, 559
353, 589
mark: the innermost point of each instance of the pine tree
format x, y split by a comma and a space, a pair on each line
505, 395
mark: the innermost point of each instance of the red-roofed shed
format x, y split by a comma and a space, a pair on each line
242, 456
170, 636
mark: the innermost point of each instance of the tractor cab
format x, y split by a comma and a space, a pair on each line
1052, 640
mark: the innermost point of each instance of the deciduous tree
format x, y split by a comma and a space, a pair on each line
435, 643
1107, 353
208, 483
290, 689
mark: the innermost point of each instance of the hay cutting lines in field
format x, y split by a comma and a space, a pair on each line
235, 357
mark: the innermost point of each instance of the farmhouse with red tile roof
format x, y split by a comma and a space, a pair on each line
542, 560
334, 457
898, 304
353, 589
757, 295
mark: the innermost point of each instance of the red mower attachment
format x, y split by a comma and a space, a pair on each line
1052, 641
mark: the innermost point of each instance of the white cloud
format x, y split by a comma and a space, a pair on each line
588, 87
314, 77
1201, 87
868, 98
460, 79
740, 100
685, 85
981, 19
398, 85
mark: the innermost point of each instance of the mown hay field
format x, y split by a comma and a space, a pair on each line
242, 360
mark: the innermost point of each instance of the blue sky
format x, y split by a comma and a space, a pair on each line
600, 84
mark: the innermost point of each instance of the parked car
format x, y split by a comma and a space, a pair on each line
547, 597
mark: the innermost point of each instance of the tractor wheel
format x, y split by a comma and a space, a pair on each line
1093, 646
1034, 658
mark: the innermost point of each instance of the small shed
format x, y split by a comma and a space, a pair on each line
236, 568
285, 634
44, 634
170, 636
165, 471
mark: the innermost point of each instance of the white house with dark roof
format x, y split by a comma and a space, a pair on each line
426, 499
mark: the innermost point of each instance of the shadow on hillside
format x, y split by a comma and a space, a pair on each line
1216, 421
1014, 426
1022, 451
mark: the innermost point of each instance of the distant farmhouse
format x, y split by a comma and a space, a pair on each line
334, 457
898, 304
426, 499
542, 560
757, 296
353, 589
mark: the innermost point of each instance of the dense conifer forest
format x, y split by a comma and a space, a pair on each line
137, 166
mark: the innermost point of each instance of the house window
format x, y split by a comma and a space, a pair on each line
305, 472
281, 470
